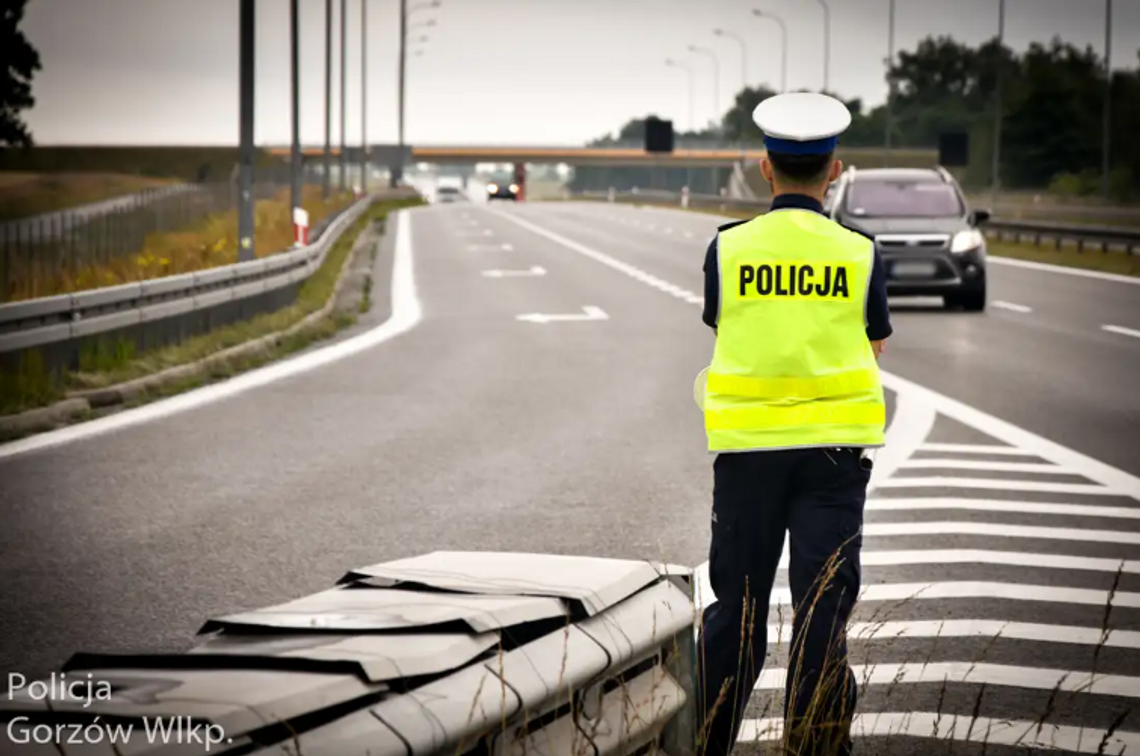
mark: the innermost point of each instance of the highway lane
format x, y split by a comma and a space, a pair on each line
474, 430
1075, 382
991, 552
477, 430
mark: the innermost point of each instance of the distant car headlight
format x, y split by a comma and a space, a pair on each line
514, 188
492, 188
964, 241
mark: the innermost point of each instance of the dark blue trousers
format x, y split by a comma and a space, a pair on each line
817, 497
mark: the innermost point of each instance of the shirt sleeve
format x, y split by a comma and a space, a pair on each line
878, 310
712, 287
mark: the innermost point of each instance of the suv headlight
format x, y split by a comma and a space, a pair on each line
964, 241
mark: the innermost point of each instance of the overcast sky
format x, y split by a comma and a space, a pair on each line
493, 71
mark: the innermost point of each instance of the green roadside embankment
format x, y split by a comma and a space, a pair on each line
112, 375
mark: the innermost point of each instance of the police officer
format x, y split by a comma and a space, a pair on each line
792, 401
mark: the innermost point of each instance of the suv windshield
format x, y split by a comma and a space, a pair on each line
880, 198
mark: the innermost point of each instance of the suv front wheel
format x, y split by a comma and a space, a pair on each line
973, 300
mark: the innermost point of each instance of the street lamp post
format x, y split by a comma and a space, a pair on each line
692, 110
1104, 182
327, 178
246, 64
743, 54
890, 82
343, 91
405, 14
363, 97
826, 44
783, 45
716, 76
295, 86
995, 168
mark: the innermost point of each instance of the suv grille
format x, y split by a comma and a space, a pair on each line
912, 241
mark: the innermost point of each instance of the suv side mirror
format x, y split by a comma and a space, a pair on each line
980, 216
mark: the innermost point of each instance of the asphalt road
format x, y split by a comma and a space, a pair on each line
475, 429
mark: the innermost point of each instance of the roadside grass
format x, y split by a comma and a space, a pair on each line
209, 243
24, 195
104, 363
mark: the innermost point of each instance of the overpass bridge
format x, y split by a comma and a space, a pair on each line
615, 156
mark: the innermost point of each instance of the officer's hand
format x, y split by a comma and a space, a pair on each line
878, 346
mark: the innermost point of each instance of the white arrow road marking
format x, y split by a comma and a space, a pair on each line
1011, 306
996, 732
534, 270
490, 247
589, 312
1121, 330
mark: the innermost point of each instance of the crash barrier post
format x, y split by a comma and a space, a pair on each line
444, 654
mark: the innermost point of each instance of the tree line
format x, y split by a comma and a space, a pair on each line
1052, 106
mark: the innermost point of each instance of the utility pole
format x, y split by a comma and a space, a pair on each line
328, 99
995, 169
890, 81
397, 171
343, 94
826, 45
245, 152
1104, 182
295, 86
364, 96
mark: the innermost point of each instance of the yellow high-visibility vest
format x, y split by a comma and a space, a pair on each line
792, 366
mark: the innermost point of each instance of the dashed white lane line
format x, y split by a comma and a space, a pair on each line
1012, 307
995, 732
1121, 330
407, 312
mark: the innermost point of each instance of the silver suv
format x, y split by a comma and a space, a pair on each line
926, 234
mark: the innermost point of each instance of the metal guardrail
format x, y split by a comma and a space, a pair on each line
48, 320
444, 654
1106, 237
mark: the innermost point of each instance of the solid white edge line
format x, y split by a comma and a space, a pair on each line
975, 628
1013, 262
1121, 330
997, 732
1002, 305
407, 311
1002, 675
911, 424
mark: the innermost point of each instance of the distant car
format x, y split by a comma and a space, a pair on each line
448, 194
502, 190
926, 234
